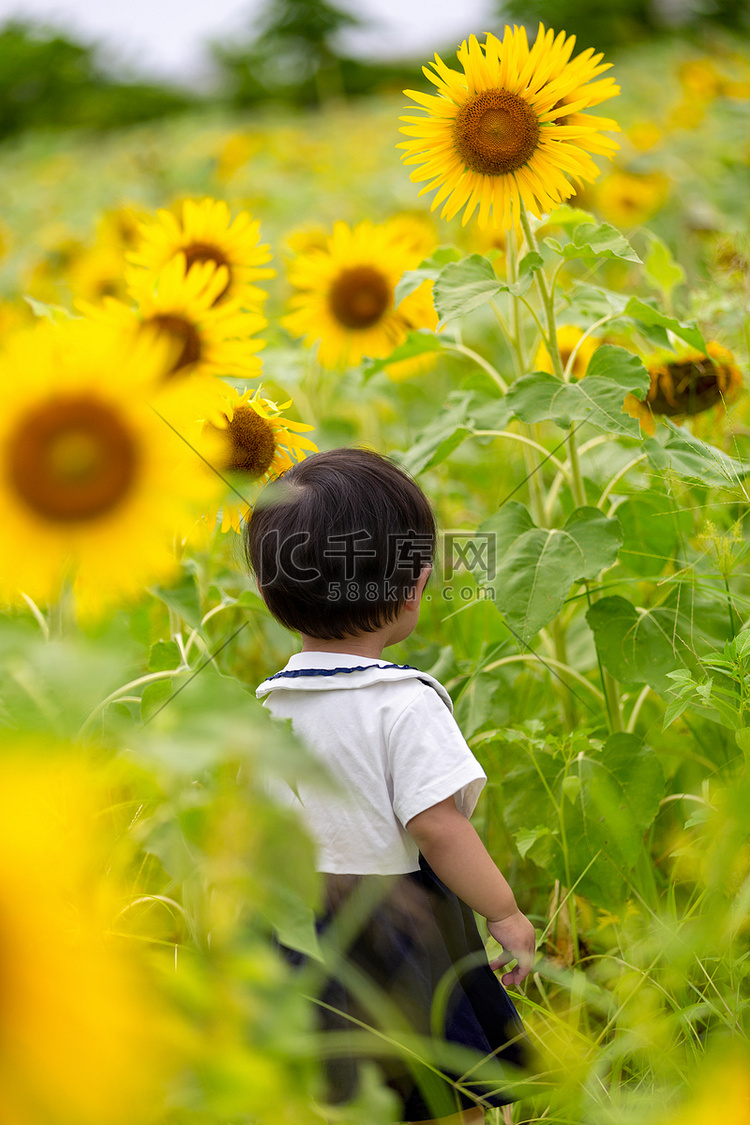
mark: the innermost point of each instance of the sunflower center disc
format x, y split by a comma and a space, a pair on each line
359, 297
205, 252
185, 336
72, 459
495, 132
253, 442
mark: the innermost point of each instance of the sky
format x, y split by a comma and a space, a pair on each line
164, 37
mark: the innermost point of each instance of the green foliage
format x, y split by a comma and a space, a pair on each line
47, 80
611, 374
592, 804
623, 21
295, 57
536, 567
590, 243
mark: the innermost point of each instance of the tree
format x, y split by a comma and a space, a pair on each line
296, 56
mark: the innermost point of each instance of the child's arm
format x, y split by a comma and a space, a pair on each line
454, 851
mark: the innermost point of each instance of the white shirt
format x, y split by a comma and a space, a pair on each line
387, 737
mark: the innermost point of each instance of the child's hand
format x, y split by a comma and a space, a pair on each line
518, 939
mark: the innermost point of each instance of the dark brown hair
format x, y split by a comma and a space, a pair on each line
338, 542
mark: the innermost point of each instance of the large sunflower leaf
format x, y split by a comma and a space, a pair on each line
638, 646
597, 398
652, 525
466, 285
542, 564
646, 314
694, 459
592, 243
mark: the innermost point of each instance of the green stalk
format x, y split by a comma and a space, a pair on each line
530, 456
547, 295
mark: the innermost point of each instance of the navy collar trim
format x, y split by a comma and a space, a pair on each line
293, 673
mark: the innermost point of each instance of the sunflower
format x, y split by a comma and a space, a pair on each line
628, 199
255, 445
79, 1017
345, 299
686, 384
510, 128
95, 482
207, 339
205, 233
568, 337
97, 273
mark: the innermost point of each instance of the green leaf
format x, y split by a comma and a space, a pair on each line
416, 343
636, 646
154, 697
643, 312
689, 457
427, 270
569, 218
598, 537
621, 788
595, 302
527, 267
438, 440
56, 313
526, 838
474, 705
597, 398
248, 599
742, 738
591, 243
183, 598
651, 525
464, 286
505, 526
164, 656
542, 564
660, 269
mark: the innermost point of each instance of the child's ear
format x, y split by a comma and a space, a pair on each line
415, 596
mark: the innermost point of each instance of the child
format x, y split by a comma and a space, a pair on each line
342, 547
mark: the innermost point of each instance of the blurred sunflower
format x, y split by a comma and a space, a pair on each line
686, 384
345, 295
79, 1018
118, 228
255, 444
568, 338
510, 128
628, 199
97, 273
94, 483
415, 228
205, 233
207, 339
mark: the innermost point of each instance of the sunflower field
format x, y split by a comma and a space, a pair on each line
543, 315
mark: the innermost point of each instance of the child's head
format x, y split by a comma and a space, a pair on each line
339, 542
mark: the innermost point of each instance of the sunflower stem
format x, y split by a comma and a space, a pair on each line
486, 366
530, 455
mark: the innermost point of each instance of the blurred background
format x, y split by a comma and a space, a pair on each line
83, 63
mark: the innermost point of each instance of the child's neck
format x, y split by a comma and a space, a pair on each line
368, 645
